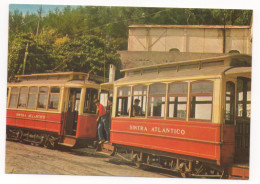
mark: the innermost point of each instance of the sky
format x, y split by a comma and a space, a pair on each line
33, 8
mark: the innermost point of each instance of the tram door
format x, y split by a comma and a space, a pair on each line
243, 120
72, 113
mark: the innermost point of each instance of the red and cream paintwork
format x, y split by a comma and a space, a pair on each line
212, 141
198, 139
54, 121
44, 121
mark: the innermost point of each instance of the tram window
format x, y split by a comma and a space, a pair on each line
230, 101
89, 105
154, 70
202, 87
169, 68
248, 97
244, 97
139, 101
134, 73
14, 97
54, 98
240, 93
32, 97
15, 90
188, 66
55, 90
201, 100
44, 89
23, 97
214, 63
43, 97
156, 105
177, 107
123, 101
103, 97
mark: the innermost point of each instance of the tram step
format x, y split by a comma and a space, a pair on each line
107, 148
238, 172
70, 140
67, 145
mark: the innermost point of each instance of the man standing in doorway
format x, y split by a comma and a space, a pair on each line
109, 112
102, 119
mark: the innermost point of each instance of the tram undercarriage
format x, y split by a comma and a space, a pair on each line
186, 167
35, 137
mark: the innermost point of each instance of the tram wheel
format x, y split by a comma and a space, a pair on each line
50, 142
138, 161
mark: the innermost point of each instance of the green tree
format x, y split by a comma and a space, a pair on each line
86, 37
87, 54
39, 59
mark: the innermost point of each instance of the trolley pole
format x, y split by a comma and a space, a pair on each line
25, 57
224, 33
39, 19
105, 50
104, 68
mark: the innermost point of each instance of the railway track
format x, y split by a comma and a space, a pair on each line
159, 170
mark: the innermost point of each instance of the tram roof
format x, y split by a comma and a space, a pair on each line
204, 73
141, 60
239, 70
59, 78
215, 66
191, 26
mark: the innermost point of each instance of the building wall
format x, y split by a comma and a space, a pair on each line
203, 39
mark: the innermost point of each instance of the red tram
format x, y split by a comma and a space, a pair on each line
53, 108
191, 116
194, 115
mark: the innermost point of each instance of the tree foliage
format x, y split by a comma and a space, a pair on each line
39, 57
87, 37
86, 53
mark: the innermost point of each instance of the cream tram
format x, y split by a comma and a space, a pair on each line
193, 115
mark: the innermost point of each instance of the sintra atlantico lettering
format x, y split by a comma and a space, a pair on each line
157, 130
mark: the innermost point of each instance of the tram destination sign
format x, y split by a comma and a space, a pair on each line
31, 115
157, 130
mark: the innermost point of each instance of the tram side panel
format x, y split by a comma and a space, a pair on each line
43, 121
227, 150
87, 127
187, 138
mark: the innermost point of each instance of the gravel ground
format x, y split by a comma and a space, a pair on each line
27, 159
